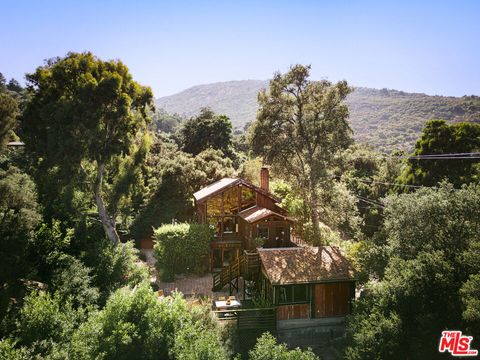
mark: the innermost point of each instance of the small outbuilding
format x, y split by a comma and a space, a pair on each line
307, 282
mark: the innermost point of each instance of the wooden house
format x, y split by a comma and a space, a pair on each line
241, 212
307, 282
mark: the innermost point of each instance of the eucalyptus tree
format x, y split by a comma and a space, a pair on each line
84, 113
301, 125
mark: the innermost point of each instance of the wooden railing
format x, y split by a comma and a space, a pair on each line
250, 319
228, 273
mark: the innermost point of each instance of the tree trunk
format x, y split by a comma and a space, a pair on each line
314, 216
107, 222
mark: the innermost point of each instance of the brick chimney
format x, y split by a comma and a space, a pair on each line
264, 177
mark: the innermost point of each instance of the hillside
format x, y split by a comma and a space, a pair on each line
385, 119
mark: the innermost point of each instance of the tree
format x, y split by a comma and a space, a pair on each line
3, 82
84, 112
19, 215
430, 247
301, 125
438, 137
8, 115
267, 348
207, 130
14, 85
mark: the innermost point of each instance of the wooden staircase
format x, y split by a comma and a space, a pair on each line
246, 265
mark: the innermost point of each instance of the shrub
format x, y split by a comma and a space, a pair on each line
135, 324
268, 349
115, 267
182, 248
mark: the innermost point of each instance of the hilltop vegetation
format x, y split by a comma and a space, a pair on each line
386, 119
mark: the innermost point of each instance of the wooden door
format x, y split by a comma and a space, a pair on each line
332, 299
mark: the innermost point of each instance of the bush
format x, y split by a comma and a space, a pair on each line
135, 324
268, 349
115, 267
182, 248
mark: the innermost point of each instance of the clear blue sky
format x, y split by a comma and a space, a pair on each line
417, 46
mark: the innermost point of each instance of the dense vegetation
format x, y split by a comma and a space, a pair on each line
386, 119
96, 175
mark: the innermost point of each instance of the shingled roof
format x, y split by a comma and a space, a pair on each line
300, 265
224, 184
257, 213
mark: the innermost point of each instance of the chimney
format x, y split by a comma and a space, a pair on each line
264, 177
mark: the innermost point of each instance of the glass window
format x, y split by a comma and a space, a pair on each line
230, 201
299, 293
248, 198
216, 224
263, 232
214, 205
285, 294
229, 225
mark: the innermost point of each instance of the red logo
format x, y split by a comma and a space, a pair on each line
456, 343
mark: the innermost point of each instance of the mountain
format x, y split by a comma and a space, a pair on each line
386, 119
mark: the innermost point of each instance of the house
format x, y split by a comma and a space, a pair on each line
307, 282
240, 213
301, 282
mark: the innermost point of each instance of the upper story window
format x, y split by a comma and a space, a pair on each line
230, 201
248, 198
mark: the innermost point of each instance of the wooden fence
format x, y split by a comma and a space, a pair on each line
251, 319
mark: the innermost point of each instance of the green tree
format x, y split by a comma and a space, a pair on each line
438, 137
8, 115
430, 247
207, 130
267, 348
19, 215
135, 325
14, 85
301, 125
83, 112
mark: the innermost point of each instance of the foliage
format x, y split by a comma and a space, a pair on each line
73, 283
115, 266
385, 119
429, 244
9, 351
267, 348
182, 248
19, 215
207, 130
46, 322
135, 324
93, 110
300, 127
438, 137
173, 177
166, 122
8, 115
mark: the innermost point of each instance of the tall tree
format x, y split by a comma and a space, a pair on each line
438, 137
301, 125
207, 130
8, 115
84, 112
14, 85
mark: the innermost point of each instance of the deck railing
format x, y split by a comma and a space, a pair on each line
248, 319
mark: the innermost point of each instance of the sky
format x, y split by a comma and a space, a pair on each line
431, 47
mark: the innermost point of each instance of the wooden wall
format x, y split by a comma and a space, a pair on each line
332, 299
295, 311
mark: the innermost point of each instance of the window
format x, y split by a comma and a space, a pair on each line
230, 201
248, 198
214, 205
262, 232
291, 294
229, 225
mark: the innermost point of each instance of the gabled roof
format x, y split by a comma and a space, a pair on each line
257, 213
224, 184
301, 265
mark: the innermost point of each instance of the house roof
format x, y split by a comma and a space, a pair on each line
299, 265
257, 213
225, 183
